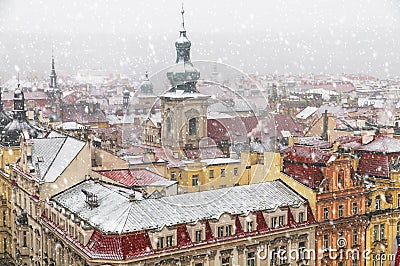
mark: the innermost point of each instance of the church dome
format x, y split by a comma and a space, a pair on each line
18, 95
182, 73
13, 129
146, 87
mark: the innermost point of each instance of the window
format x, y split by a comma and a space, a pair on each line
281, 220
225, 261
228, 230
5, 244
283, 255
398, 228
355, 208
198, 235
195, 180
24, 238
274, 256
301, 217
326, 213
302, 251
168, 122
273, 222
340, 178
398, 200
72, 231
355, 237
222, 172
220, 231
382, 231
326, 241
378, 202
4, 218
192, 126
250, 227
160, 242
173, 176
169, 241
251, 259
376, 228
80, 238
341, 210
235, 171
211, 173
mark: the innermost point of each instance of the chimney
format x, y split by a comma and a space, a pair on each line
325, 126
132, 197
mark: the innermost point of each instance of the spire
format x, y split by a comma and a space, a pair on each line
184, 72
53, 75
183, 20
18, 79
183, 44
1, 99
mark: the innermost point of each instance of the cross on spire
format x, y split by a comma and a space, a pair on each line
183, 18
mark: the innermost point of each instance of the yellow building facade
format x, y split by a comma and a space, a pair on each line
383, 210
8, 155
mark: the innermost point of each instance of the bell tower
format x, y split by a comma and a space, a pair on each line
184, 109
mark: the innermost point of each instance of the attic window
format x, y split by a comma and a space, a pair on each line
40, 159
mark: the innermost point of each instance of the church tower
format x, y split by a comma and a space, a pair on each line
184, 109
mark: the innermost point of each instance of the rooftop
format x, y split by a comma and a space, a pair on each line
116, 214
381, 144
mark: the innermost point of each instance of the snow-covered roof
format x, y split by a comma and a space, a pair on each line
181, 94
52, 155
306, 112
71, 126
116, 214
217, 161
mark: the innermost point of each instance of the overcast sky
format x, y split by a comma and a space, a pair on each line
256, 36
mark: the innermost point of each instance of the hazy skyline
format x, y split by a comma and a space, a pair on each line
258, 36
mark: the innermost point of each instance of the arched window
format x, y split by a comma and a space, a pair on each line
168, 124
340, 178
192, 126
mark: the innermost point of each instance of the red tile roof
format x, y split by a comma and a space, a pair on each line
374, 164
133, 178
119, 247
305, 154
236, 128
287, 123
309, 175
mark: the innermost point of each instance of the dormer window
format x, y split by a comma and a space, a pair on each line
40, 159
160, 242
168, 241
